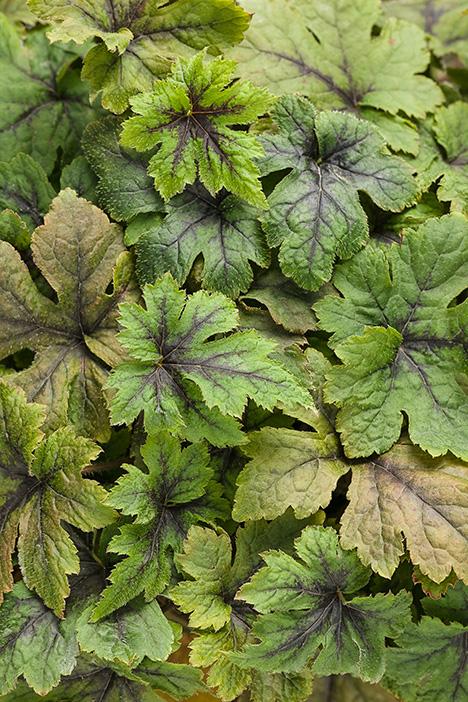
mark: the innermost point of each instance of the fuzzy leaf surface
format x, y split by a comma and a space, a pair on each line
43, 107
172, 496
78, 251
307, 613
140, 39
190, 116
399, 332
315, 214
185, 381
224, 229
327, 50
41, 486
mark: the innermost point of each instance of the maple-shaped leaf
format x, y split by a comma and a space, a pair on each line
139, 39
344, 688
446, 21
43, 106
224, 229
333, 53
191, 117
289, 305
399, 331
125, 189
404, 491
76, 250
182, 378
41, 487
210, 598
315, 214
33, 643
165, 501
25, 190
94, 679
138, 630
307, 613
430, 664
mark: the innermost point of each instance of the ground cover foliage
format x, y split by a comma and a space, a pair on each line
233, 332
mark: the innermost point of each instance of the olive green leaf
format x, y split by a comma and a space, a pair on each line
76, 250
41, 486
315, 214
224, 229
191, 117
184, 380
446, 21
125, 189
451, 607
430, 663
307, 614
139, 39
174, 494
79, 176
344, 688
43, 105
399, 330
332, 52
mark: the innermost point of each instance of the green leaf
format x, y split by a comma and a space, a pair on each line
174, 494
76, 251
315, 214
140, 629
288, 305
79, 177
449, 129
140, 39
446, 21
398, 331
224, 229
451, 607
17, 11
190, 116
331, 52
289, 468
33, 643
40, 486
306, 613
25, 189
124, 189
251, 318
185, 382
43, 106
430, 665
347, 689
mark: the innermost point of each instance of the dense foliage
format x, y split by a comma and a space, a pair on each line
233, 333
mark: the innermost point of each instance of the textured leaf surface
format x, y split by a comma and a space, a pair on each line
224, 229
399, 332
165, 501
326, 50
308, 613
76, 250
138, 630
43, 106
140, 39
41, 486
190, 116
449, 129
453, 606
25, 189
181, 378
315, 214
125, 190
431, 665
33, 643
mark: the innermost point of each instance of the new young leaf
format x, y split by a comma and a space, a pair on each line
182, 378
190, 116
399, 333
76, 249
315, 214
